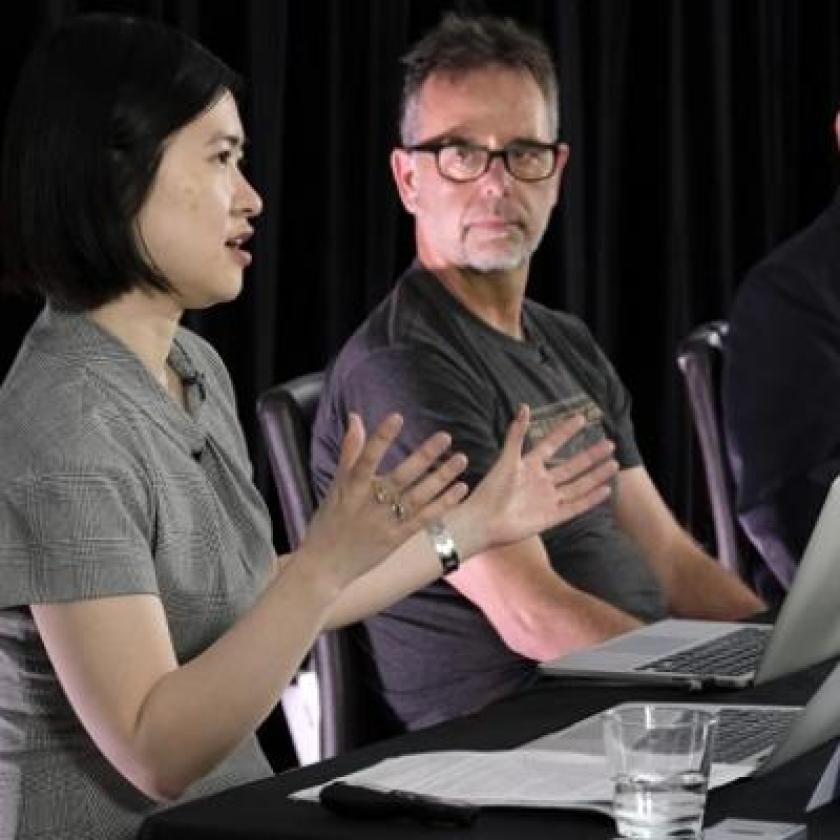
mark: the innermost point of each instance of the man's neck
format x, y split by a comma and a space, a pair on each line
494, 297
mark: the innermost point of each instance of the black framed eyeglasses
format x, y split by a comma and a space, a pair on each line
525, 160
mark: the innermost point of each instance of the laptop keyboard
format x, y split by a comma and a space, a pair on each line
742, 733
732, 655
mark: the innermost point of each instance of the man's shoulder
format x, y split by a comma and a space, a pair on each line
559, 319
806, 263
409, 329
562, 328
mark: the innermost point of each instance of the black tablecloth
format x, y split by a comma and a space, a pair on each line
262, 810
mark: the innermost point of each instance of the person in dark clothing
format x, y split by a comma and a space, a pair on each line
781, 380
457, 345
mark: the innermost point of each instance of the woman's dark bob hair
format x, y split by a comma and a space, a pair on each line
84, 138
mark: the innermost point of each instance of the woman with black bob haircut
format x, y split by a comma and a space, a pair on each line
147, 626
84, 137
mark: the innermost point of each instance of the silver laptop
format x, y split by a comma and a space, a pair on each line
733, 654
754, 737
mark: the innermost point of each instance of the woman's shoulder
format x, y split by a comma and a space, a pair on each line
55, 413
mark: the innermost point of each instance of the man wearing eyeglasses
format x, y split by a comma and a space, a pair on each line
458, 346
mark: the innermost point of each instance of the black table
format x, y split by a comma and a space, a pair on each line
262, 809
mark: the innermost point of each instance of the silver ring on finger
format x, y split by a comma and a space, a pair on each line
399, 510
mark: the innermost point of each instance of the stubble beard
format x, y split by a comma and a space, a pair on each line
489, 260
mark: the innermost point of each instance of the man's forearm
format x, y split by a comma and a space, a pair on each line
535, 611
696, 585
701, 588
577, 620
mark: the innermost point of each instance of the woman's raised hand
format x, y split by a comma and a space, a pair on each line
523, 495
365, 516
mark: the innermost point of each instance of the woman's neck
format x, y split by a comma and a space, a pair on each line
146, 323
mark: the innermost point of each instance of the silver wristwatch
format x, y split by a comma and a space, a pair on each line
445, 547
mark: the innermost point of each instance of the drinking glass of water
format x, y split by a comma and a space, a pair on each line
660, 757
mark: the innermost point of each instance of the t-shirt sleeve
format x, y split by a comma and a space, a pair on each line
75, 535
619, 416
432, 394
607, 389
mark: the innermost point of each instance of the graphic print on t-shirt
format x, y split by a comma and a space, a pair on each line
547, 417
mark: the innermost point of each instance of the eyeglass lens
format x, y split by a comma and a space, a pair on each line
463, 162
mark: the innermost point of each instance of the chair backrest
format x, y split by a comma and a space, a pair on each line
699, 357
286, 413
351, 714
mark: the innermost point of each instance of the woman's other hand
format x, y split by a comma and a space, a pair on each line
366, 516
523, 495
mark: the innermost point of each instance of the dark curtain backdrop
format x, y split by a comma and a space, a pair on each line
700, 134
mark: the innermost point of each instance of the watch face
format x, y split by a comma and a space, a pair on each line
445, 547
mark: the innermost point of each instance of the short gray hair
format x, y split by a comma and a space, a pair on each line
460, 44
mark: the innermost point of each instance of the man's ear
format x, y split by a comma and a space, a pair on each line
837, 129
402, 168
562, 159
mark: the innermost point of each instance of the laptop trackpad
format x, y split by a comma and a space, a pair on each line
641, 643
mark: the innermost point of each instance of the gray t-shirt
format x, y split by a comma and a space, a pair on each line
108, 487
422, 353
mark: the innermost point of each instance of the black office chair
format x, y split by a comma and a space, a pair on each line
351, 713
699, 357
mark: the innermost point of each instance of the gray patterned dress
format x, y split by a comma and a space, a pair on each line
108, 487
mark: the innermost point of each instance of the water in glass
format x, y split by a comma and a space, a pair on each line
650, 807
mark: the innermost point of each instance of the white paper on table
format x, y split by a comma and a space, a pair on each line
507, 778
